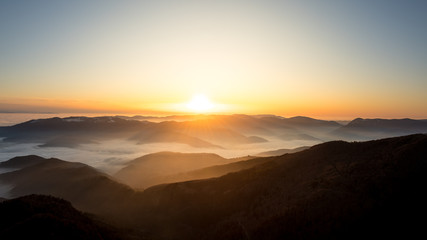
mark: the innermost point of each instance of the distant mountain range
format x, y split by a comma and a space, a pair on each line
364, 129
334, 190
74, 131
206, 131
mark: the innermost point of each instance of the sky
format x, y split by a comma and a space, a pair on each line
327, 59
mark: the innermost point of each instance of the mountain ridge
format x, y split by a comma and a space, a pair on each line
149, 169
346, 180
332, 190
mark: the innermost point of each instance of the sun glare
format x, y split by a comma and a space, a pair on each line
200, 103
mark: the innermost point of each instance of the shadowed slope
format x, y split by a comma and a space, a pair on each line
22, 161
44, 217
335, 190
88, 189
215, 171
279, 152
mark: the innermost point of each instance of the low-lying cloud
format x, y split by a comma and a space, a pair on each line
109, 156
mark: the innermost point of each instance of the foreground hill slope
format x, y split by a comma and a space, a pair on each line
45, 217
88, 189
336, 190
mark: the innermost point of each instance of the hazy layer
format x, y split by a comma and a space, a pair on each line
9, 119
110, 156
109, 143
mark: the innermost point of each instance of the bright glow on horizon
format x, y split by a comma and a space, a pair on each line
200, 104
312, 58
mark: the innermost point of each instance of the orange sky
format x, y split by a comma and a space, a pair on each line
330, 60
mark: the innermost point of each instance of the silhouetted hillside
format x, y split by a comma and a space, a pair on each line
22, 161
88, 189
279, 152
214, 171
45, 217
336, 190
151, 169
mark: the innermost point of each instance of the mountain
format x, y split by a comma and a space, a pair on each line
279, 152
46, 217
71, 132
72, 128
178, 118
66, 141
22, 161
204, 131
213, 133
306, 122
335, 190
298, 136
151, 169
88, 189
155, 136
286, 129
365, 129
214, 171
268, 125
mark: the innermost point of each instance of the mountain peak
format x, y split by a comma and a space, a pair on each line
22, 161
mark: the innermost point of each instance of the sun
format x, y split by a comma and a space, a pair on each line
200, 103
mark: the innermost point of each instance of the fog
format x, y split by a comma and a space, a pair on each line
108, 144
111, 155
5, 190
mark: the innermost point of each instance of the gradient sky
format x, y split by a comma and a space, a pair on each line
330, 59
